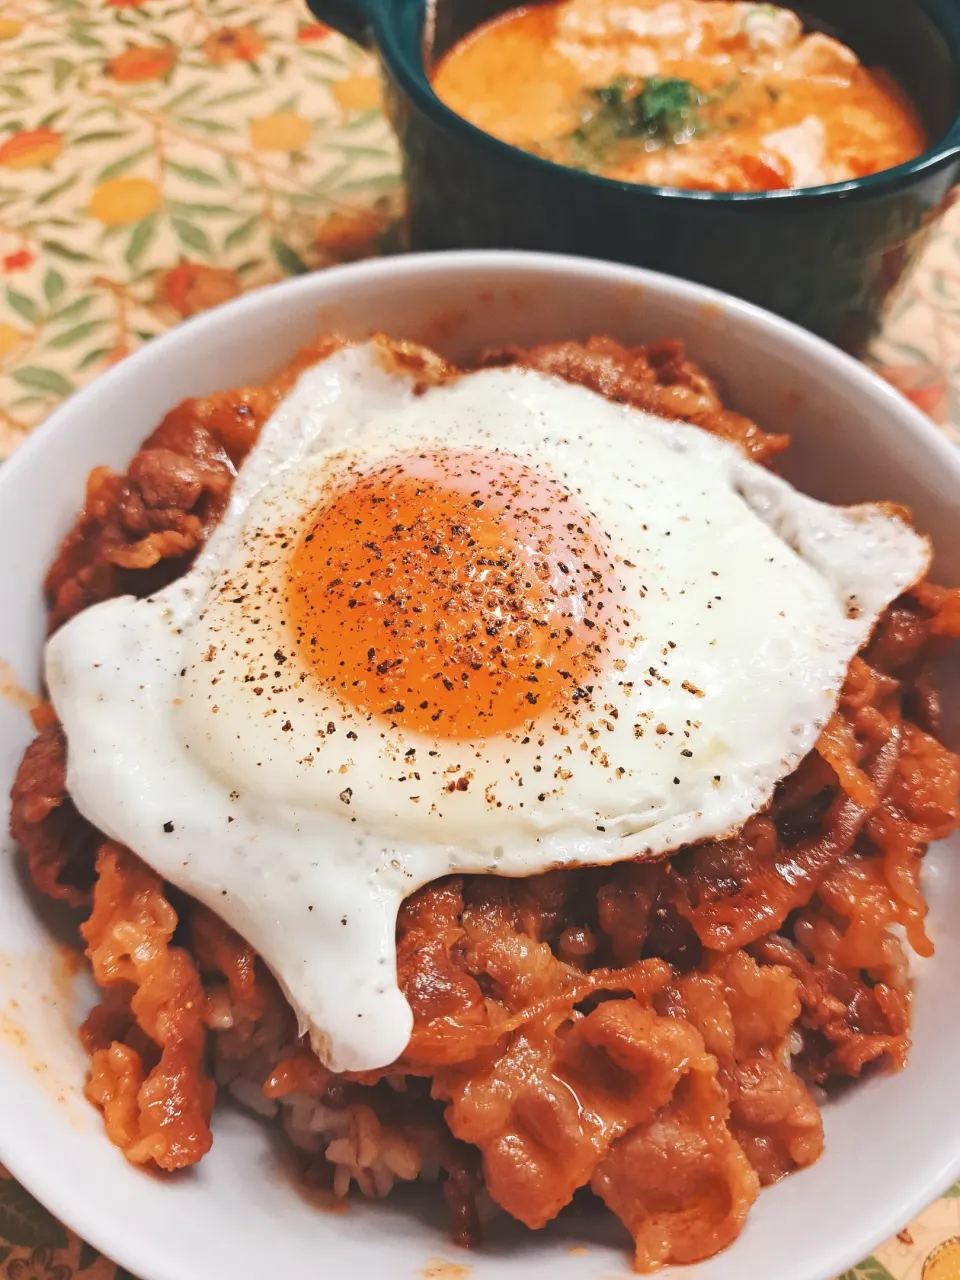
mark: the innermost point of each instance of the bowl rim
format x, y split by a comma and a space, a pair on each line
28, 1162
390, 27
199, 326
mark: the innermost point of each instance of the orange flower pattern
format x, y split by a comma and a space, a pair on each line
348, 234
190, 287
30, 149
140, 63
283, 131
234, 44
10, 337
123, 200
18, 261
357, 93
311, 31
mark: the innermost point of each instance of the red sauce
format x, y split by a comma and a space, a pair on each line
706, 94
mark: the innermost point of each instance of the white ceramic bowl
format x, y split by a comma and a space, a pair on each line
892, 1143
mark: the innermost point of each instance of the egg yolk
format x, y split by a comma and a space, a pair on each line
458, 594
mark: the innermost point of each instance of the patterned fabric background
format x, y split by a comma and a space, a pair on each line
158, 157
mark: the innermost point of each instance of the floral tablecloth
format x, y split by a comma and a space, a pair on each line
158, 157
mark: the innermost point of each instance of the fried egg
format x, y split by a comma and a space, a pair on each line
498, 625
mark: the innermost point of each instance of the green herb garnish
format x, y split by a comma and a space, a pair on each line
663, 112
668, 109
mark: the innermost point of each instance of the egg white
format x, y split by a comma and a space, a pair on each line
304, 822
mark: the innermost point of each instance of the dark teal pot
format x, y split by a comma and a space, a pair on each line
826, 257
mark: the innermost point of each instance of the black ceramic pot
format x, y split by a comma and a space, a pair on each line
827, 257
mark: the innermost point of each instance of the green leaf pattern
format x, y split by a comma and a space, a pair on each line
869, 1269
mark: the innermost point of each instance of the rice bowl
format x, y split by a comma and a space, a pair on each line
661, 313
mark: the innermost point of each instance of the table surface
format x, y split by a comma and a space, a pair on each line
158, 157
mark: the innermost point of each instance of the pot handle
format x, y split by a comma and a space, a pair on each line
350, 17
